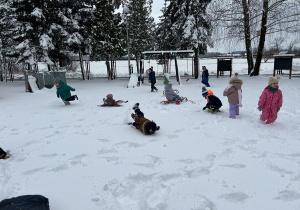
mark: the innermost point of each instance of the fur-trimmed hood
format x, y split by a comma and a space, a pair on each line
235, 79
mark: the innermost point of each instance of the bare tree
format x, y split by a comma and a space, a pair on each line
252, 20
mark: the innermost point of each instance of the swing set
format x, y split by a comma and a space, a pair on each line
164, 57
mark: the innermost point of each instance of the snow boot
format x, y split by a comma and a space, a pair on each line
66, 102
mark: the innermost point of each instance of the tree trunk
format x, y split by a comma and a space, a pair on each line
81, 64
262, 38
196, 63
108, 69
247, 36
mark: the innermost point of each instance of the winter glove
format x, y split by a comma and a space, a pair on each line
132, 115
278, 108
259, 108
204, 108
73, 90
57, 96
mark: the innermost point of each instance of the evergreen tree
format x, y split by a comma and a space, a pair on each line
141, 28
107, 35
41, 30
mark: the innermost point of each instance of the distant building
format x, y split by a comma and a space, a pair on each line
238, 53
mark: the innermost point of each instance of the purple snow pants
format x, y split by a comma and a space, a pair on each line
233, 110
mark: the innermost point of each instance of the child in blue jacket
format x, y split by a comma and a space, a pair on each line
205, 75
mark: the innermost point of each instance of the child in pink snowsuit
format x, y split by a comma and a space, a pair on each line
270, 101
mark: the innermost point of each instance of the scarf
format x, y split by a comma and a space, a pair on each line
273, 90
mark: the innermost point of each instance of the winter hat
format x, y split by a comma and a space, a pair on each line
235, 79
109, 96
274, 80
57, 80
203, 67
204, 92
150, 127
166, 80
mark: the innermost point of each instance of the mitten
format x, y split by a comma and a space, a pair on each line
278, 108
57, 96
204, 108
259, 108
74, 90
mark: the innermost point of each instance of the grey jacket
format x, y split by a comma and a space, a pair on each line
169, 92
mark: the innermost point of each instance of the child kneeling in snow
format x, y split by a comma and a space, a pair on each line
213, 102
109, 101
63, 91
270, 101
143, 124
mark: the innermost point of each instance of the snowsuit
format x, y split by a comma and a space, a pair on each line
111, 102
234, 95
2, 153
269, 103
205, 75
141, 123
213, 103
170, 94
63, 91
152, 80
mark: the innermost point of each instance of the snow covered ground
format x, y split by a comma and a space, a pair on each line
86, 157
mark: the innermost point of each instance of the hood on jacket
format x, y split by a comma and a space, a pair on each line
235, 79
168, 86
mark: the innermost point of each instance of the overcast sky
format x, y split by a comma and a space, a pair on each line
156, 7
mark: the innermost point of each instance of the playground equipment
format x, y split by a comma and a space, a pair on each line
172, 54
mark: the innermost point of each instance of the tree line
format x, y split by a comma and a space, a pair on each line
50, 31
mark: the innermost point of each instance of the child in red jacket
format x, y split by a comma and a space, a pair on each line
270, 101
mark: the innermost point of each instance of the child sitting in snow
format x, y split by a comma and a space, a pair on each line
63, 91
170, 93
270, 101
234, 94
109, 101
3, 154
213, 102
143, 124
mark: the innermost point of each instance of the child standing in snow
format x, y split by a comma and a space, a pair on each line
270, 101
63, 91
109, 101
213, 102
152, 79
205, 75
234, 94
143, 124
3, 154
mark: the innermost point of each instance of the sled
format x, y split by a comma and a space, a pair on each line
174, 102
213, 111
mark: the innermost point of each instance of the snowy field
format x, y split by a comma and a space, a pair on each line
86, 157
